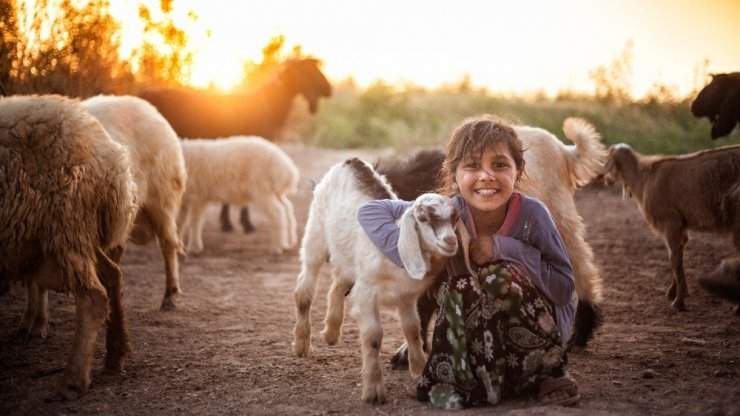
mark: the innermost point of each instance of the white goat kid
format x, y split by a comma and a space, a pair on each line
427, 230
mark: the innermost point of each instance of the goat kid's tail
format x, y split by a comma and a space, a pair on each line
588, 154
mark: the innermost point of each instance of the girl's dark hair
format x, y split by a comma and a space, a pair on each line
470, 139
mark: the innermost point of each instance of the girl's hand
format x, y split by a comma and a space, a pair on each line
481, 250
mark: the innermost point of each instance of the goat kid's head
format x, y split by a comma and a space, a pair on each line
427, 229
307, 79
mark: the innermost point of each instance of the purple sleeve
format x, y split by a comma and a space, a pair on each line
378, 219
543, 257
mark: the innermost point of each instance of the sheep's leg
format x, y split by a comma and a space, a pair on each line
183, 223
195, 239
677, 292
371, 337
244, 220
117, 343
411, 326
226, 219
290, 220
275, 212
163, 219
35, 321
340, 286
587, 276
91, 309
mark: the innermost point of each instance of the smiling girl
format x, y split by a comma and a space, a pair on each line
507, 300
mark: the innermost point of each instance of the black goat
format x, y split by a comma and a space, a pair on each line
261, 112
719, 101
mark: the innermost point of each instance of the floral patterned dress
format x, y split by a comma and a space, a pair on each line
495, 337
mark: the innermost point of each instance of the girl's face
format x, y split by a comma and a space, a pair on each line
486, 183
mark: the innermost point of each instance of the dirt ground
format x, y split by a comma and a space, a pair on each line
227, 348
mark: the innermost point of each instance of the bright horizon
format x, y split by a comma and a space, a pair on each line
507, 47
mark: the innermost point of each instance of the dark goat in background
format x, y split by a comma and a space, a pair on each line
261, 112
719, 101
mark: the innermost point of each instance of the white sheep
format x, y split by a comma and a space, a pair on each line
159, 172
240, 170
427, 229
67, 203
676, 194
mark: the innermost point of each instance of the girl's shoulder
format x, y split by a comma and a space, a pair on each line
532, 207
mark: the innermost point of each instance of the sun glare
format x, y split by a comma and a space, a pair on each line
500, 46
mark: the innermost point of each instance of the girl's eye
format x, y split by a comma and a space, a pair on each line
471, 166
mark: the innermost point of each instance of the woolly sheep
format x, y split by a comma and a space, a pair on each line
243, 170
676, 194
67, 202
553, 172
719, 101
260, 112
427, 230
159, 172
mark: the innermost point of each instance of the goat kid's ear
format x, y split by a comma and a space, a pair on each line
409, 248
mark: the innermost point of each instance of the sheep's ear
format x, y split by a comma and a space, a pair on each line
409, 248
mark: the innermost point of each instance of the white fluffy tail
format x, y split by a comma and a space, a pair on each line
588, 154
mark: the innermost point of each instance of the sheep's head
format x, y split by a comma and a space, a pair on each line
308, 80
709, 99
427, 230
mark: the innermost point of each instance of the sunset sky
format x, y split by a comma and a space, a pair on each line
507, 46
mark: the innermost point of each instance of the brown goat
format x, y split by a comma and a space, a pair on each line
67, 203
261, 112
698, 191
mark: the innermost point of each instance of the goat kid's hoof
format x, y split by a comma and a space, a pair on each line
374, 394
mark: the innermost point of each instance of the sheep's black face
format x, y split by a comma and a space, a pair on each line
709, 99
309, 81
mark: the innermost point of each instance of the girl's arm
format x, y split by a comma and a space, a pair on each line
542, 256
378, 219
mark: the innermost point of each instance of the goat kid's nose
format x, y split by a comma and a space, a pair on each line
450, 240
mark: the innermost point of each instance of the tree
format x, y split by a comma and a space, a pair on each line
612, 83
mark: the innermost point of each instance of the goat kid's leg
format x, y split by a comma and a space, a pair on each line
412, 332
225, 219
371, 338
91, 309
117, 342
426, 305
678, 290
244, 220
303, 295
340, 287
